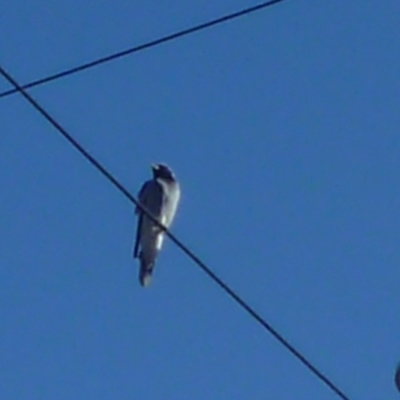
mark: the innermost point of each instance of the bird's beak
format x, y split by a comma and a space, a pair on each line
155, 167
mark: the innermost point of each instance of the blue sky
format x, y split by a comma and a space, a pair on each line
283, 130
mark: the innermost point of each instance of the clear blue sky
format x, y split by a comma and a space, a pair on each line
283, 128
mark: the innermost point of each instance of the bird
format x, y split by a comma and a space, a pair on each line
160, 197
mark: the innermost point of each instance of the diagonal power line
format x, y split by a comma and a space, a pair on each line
147, 45
241, 302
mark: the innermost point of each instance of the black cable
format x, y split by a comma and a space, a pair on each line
183, 247
143, 46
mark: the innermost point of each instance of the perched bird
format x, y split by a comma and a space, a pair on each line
160, 197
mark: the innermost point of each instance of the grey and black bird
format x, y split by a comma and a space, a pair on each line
160, 197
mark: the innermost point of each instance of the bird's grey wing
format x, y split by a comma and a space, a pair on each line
150, 197
137, 238
143, 193
138, 212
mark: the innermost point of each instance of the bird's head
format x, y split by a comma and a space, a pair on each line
162, 171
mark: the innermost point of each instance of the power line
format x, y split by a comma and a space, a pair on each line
253, 313
144, 46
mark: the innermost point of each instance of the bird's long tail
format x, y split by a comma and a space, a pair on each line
145, 272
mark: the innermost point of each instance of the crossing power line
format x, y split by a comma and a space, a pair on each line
236, 297
144, 46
